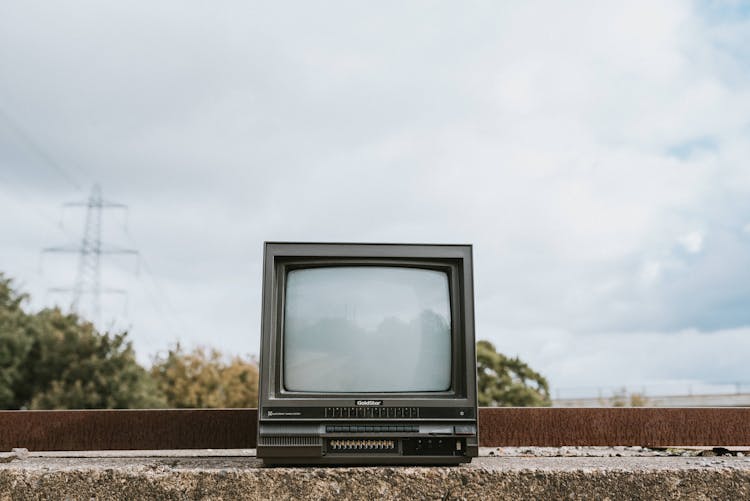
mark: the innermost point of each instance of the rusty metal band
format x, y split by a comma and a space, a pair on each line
76, 430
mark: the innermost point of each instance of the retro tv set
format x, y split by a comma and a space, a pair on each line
367, 354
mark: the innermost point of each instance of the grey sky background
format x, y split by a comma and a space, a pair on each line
595, 153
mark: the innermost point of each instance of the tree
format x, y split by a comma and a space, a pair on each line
15, 344
202, 378
508, 382
54, 360
75, 367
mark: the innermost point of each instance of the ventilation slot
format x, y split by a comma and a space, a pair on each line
288, 441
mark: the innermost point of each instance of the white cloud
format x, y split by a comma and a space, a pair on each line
633, 359
692, 242
570, 143
651, 272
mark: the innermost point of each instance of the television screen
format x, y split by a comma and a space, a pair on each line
367, 329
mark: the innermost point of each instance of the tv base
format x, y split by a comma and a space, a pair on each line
379, 461
321, 444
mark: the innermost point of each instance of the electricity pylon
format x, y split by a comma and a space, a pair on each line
90, 251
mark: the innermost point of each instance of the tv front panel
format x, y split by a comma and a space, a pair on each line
367, 354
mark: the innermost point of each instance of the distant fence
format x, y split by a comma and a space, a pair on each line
640, 400
668, 389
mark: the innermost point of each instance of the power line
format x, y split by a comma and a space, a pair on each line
26, 195
26, 138
161, 294
158, 299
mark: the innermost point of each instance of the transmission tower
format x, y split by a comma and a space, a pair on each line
90, 251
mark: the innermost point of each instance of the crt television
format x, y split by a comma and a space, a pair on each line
367, 354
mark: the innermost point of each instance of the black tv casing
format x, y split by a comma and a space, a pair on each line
367, 428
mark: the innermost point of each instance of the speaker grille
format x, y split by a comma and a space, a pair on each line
289, 441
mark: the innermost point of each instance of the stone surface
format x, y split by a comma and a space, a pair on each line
238, 475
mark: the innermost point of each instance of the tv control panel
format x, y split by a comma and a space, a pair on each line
380, 428
372, 412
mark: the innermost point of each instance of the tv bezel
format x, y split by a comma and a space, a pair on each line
281, 257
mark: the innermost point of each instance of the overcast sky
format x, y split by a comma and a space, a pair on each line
595, 154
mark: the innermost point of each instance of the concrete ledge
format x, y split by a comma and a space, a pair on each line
238, 475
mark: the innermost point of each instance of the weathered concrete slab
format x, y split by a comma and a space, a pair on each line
238, 475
